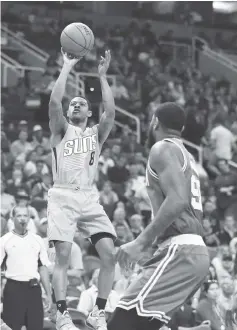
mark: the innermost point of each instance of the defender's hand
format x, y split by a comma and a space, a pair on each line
129, 254
69, 59
104, 63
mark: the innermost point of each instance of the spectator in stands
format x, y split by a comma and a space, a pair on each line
223, 263
7, 200
120, 92
21, 146
39, 139
41, 188
88, 298
210, 237
226, 186
136, 224
119, 175
226, 297
229, 230
108, 199
124, 234
106, 161
222, 139
16, 182
208, 308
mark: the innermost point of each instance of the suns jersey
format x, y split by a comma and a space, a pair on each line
75, 158
190, 221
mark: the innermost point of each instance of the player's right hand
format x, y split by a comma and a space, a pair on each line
69, 59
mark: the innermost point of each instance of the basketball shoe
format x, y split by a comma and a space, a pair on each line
96, 319
64, 321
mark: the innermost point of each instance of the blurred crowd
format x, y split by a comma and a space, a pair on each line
146, 75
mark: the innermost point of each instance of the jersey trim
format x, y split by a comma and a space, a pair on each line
152, 173
183, 153
55, 156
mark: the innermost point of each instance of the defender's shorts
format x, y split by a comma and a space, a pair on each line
169, 278
70, 208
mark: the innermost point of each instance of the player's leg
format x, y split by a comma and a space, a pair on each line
61, 230
102, 235
59, 281
105, 248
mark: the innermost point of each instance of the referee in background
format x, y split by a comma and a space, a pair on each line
25, 257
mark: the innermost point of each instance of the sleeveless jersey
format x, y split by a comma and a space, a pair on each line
75, 158
190, 221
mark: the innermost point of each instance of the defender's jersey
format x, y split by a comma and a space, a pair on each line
190, 221
75, 158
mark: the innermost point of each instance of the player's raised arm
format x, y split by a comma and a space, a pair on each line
107, 118
165, 162
57, 121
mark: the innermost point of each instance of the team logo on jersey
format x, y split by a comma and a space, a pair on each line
80, 145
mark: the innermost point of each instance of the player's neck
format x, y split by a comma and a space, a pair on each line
80, 124
171, 134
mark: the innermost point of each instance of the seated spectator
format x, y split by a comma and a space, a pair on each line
124, 234
222, 139
88, 298
21, 146
136, 224
41, 188
223, 263
210, 237
39, 139
30, 166
106, 161
226, 297
120, 92
108, 199
119, 175
208, 309
16, 182
228, 231
226, 186
7, 200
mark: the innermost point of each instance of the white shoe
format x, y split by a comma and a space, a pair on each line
64, 321
96, 319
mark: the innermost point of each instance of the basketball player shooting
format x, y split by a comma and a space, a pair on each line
73, 201
180, 262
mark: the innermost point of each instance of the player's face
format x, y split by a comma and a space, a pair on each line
78, 109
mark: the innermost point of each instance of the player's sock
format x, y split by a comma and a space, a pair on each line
61, 306
101, 303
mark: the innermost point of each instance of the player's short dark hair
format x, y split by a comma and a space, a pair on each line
171, 116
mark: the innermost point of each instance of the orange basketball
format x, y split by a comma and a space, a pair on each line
77, 39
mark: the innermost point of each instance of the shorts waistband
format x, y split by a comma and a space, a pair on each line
185, 239
73, 187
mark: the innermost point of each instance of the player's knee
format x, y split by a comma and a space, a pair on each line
63, 251
108, 259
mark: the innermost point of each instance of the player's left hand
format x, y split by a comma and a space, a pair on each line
104, 63
129, 254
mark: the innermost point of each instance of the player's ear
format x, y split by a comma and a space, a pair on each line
89, 114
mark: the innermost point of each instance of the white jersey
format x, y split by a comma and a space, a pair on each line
75, 158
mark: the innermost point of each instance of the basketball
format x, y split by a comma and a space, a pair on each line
77, 39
